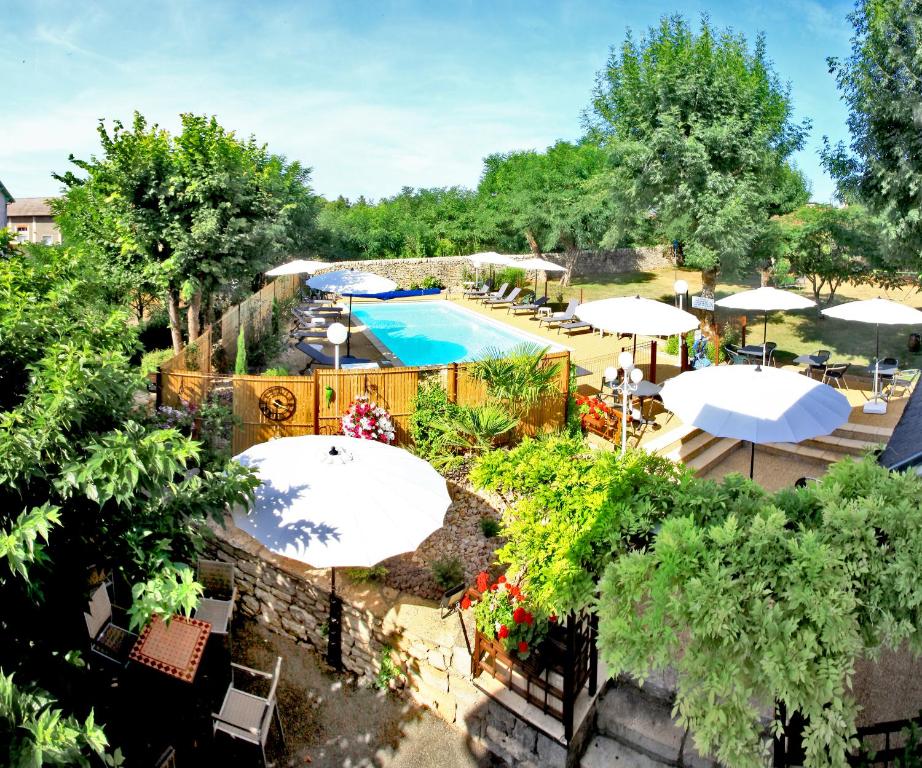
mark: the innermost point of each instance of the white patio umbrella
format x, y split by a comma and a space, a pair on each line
880, 312
540, 265
755, 403
765, 299
351, 282
485, 258
357, 506
298, 267
634, 315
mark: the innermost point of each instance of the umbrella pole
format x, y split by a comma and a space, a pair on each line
334, 626
764, 345
349, 330
752, 459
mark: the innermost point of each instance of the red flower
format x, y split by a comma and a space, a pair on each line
523, 647
552, 618
482, 580
465, 603
529, 619
503, 631
519, 614
501, 579
515, 592
494, 587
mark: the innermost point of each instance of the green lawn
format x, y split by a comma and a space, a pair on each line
795, 333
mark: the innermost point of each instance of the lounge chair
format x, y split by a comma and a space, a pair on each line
313, 310
503, 300
560, 317
574, 325
477, 293
316, 356
531, 307
497, 294
314, 332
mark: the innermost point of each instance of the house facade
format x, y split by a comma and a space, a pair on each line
32, 220
5, 199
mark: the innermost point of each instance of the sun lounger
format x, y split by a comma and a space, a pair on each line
531, 307
560, 317
574, 325
316, 356
476, 293
498, 294
316, 332
502, 301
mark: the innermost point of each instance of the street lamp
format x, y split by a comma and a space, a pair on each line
336, 335
630, 381
681, 288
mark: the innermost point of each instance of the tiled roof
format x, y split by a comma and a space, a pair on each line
30, 206
905, 447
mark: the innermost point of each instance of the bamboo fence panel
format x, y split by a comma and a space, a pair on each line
251, 425
181, 387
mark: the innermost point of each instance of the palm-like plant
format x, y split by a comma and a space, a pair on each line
518, 378
469, 431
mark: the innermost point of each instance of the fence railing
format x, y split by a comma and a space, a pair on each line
589, 370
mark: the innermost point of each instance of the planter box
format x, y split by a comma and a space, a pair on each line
610, 429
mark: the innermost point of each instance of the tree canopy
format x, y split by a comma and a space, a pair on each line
882, 84
700, 131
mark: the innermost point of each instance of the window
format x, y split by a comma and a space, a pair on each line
47, 240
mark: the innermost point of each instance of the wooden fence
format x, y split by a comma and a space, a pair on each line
315, 404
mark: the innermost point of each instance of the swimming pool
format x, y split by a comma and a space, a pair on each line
438, 332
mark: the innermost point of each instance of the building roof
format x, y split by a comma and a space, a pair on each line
30, 206
6, 193
905, 447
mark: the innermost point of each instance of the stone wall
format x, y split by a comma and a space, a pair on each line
292, 599
450, 270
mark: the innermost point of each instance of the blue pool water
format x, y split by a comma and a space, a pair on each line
437, 332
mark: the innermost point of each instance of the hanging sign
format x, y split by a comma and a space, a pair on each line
703, 302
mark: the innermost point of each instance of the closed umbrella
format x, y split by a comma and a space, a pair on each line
336, 501
880, 312
298, 267
351, 282
765, 299
755, 403
634, 315
540, 265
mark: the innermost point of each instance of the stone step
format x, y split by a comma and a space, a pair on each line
644, 723
692, 447
869, 432
662, 442
604, 752
715, 453
803, 451
845, 445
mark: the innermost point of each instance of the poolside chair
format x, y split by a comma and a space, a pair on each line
574, 325
770, 347
503, 300
247, 717
316, 356
733, 356
836, 373
108, 640
886, 378
497, 294
477, 293
824, 354
904, 380
313, 332
217, 604
560, 317
530, 307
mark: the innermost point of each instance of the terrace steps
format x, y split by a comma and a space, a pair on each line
696, 449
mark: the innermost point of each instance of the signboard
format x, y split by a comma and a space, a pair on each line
703, 302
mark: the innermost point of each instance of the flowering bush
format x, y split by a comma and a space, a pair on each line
367, 420
181, 419
593, 407
502, 613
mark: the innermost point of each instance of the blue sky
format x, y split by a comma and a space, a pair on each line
373, 96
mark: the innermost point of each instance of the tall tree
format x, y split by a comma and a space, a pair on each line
882, 84
700, 130
203, 207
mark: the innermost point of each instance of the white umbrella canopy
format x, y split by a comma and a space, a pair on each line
765, 299
351, 282
632, 314
540, 265
755, 403
298, 267
370, 502
490, 257
877, 311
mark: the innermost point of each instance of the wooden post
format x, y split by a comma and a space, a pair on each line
316, 417
653, 361
453, 383
569, 670
683, 354
158, 384
743, 331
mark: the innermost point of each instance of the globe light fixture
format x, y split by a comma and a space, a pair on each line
681, 289
336, 335
630, 381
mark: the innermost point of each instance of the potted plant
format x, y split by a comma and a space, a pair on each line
597, 416
367, 420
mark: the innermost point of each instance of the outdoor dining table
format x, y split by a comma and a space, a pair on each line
752, 350
175, 648
811, 361
644, 390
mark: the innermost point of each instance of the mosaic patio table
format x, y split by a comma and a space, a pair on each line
175, 649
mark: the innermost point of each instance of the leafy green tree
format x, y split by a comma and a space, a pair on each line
188, 213
830, 246
699, 130
881, 83
240, 362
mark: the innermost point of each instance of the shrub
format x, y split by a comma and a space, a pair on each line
447, 572
430, 406
431, 282
387, 670
490, 527
512, 275
468, 432
240, 364
151, 361
276, 371
367, 575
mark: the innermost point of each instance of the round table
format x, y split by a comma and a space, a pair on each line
811, 361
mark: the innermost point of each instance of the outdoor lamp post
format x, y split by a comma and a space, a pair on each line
629, 382
336, 335
681, 288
